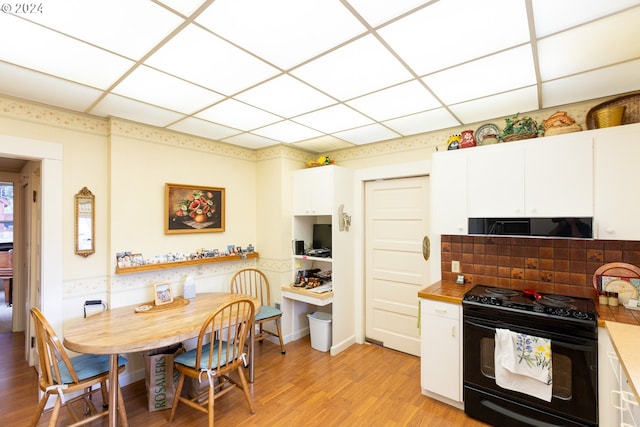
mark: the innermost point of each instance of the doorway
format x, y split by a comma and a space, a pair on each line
6, 255
396, 222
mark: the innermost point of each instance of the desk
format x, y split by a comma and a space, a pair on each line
122, 330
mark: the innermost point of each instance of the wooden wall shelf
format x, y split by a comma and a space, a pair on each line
180, 264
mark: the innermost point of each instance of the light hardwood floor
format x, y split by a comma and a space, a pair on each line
363, 386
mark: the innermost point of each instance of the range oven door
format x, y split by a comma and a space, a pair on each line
574, 370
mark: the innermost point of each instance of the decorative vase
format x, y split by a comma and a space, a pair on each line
200, 218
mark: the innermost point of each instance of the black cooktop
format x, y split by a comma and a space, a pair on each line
552, 305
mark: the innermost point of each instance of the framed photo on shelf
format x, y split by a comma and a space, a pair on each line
194, 209
163, 293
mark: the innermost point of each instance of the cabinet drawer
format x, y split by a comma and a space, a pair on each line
440, 309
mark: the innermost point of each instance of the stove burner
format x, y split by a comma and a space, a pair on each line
514, 300
560, 301
501, 292
559, 298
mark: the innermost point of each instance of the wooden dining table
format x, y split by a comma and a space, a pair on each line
133, 329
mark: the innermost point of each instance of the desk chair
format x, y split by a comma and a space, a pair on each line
251, 281
219, 352
61, 375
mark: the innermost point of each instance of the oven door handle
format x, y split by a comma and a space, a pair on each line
555, 342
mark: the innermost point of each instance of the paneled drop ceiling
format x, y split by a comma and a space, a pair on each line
317, 74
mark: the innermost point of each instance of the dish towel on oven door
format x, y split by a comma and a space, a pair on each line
523, 363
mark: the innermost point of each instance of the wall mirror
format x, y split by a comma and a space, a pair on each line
85, 222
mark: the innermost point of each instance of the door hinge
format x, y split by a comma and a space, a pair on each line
33, 342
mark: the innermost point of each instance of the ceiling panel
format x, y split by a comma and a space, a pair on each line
308, 28
377, 12
203, 128
422, 122
130, 109
508, 70
50, 52
454, 31
320, 74
500, 105
198, 56
163, 90
553, 16
35, 86
595, 84
238, 115
600, 43
401, 100
286, 96
113, 25
360, 67
367, 134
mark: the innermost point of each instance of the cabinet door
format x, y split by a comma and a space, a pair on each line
496, 181
616, 190
449, 192
441, 349
559, 176
313, 191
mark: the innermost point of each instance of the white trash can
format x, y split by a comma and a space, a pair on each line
320, 330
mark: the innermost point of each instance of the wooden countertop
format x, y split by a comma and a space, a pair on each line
626, 341
453, 293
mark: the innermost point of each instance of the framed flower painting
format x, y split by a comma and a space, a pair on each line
193, 209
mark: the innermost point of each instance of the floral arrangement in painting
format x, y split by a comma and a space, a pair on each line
197, 206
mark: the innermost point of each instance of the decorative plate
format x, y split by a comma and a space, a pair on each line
484, 130
615, 269
627, 288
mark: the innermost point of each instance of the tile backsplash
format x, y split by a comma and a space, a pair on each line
544, 264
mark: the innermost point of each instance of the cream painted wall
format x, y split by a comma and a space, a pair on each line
139, 170
274, 220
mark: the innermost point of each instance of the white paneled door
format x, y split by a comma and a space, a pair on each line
396, 221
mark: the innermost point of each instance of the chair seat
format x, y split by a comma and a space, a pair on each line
87, 366
267, 312
189, 358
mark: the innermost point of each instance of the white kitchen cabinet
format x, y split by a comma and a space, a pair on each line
313, 190
559, 176
441, 351
617, 402
324, 189
495, 180
617, 206
540, 177
449, 192
608, 380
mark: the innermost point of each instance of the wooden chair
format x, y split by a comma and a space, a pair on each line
6, 274
251, 281
61, 375
219, 352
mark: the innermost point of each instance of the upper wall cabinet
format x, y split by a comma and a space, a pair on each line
541, 177
617, 203
449, 192
313, 191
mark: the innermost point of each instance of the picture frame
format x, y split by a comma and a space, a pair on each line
194, 209
163, 293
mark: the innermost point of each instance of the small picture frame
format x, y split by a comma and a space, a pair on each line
163, 293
